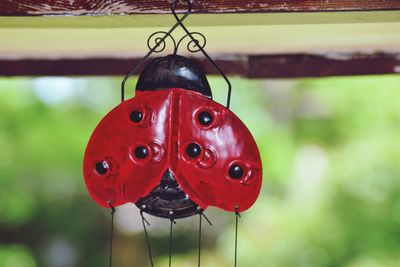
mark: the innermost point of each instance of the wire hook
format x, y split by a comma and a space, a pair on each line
160, 41
201, 48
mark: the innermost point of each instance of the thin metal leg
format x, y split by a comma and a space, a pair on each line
144, 222
171, 213
237, 216
111, 233
200, 219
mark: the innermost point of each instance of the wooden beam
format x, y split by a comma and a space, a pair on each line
262, 66
198, 20
104, 7
335, 64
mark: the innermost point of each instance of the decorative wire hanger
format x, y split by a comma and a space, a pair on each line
195, 45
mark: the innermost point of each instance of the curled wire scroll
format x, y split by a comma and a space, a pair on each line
160, 42
197, 43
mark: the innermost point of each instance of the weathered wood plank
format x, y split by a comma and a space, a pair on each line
105, 7
198, 20
263, 66
335, 64
97, 67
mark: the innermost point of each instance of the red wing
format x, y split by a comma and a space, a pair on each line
225, 143
126, 155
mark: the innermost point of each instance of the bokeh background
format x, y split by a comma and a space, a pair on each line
330, 195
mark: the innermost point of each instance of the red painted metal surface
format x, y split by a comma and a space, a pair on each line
115, 139
168, 126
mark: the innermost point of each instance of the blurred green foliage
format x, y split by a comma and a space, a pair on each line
331, 193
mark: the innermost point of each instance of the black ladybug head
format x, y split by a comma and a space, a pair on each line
173, 71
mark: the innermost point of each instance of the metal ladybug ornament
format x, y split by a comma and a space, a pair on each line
171, 149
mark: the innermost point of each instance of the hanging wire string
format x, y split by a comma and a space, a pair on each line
237, 216
205, 217
201, 215
198, 259
112, 233
170, 236
144, 222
